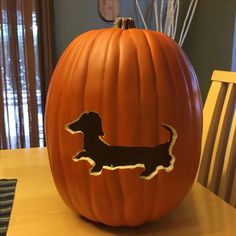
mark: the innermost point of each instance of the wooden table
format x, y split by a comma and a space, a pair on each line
38, 209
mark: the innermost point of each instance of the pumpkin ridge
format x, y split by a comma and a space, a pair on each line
139, 199
60, 110
117, 129
87, 69
104, 69
155, 180
50, 94
90, 195
118, 88
74, 57
60, 149
119, 171
171, 49
192, 172
122, 194
172, 78
181, 58
107, 181
112, 113
116, 214
157, 177
116, 178
141, 81
115, 126
136, 59
148, 36
102, 34
146, 33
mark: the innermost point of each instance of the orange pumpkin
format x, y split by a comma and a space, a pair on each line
135, 80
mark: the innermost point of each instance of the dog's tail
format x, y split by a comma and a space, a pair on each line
173, 134
171, 142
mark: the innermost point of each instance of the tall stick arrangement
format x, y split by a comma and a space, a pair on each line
166, 17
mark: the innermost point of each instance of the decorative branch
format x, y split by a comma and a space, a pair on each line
166, 20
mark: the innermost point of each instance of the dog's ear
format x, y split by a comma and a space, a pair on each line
97, 123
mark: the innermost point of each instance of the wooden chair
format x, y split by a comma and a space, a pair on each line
217, 169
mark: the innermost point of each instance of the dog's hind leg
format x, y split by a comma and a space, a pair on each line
148, 171
96, 168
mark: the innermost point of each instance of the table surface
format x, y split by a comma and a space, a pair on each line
38, 209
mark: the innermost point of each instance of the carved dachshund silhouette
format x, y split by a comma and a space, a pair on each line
153, 158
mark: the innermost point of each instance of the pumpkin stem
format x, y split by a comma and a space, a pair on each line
124, 23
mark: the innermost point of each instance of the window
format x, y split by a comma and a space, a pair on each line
10, 96
23, 77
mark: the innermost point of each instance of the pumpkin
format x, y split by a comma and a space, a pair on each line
135, 80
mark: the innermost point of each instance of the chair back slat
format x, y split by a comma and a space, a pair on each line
217, 170
211, 116
229, 167
220, 142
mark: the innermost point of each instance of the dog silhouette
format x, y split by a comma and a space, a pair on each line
152, 158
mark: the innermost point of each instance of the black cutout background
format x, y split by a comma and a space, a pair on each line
103, 154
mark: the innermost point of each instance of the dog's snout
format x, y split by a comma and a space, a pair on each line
75, 127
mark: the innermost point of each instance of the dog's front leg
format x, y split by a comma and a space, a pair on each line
82, 154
